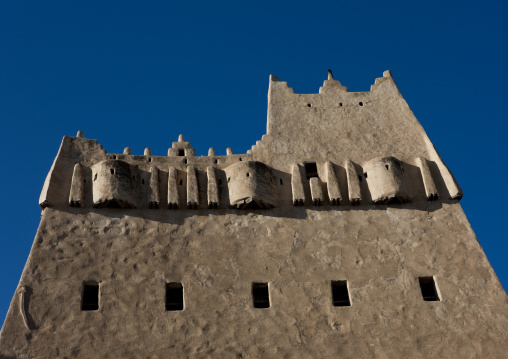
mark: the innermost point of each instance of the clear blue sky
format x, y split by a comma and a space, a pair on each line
138, 74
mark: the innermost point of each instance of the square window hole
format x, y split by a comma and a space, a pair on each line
90, 296
310, 170
340, 294
428, 287
181, 152
174, 296
260, 296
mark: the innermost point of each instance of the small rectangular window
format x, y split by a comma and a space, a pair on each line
181, 152
310, 170
260, 296
428, 287
90, 296
340, 294
174, 296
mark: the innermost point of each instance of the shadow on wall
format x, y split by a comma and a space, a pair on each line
178, 216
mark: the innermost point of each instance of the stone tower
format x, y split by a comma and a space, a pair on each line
338, 235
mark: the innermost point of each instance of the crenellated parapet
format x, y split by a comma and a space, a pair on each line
333, 148
213, 182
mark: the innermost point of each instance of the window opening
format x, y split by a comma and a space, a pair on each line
181, 182
260, 296
311, 170
387, 167
174, 296
361, 103
340, 294
181, 152
112, 171
90, 296
281, 183
428, 287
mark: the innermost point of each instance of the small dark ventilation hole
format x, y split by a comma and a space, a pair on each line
220, 182
95, 177
149, 159
365, 174
387, 167
114, 157
428, 287
90, 296
248, 174
181, 152
229, 179
185, 161
240, 158
359, 178
340, 104
311, 170
84, 181
215, 161
143, 181
260, 296
181, 182
281, 183
340, 294
309, 105
174, 296
112, 171
361, 103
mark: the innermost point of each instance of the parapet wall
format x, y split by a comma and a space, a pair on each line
364, 148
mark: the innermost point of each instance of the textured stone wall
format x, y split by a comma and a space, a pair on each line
381, 252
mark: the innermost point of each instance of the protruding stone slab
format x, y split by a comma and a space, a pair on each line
115, 184
428, 181
353, 184
385, 177
251, 185
212, 190
316, 191
173, 197
332, 185
154, 199
77, 195
192, 188
297, 186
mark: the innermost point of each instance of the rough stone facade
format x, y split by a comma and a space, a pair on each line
338, 235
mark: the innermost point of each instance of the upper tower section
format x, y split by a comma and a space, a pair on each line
333, 148
357, 125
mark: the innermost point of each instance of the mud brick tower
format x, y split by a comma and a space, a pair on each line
338, 235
